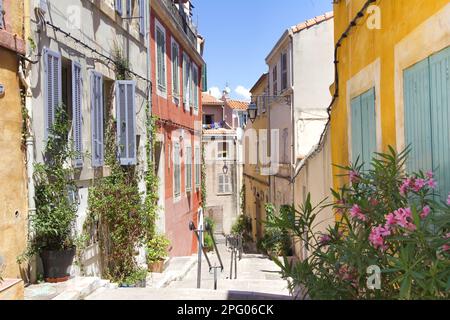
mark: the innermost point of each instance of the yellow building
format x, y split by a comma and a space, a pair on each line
393, 83
257, 185
13, 190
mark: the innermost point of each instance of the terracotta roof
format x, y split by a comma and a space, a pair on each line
237, 105
312, 22
208, 99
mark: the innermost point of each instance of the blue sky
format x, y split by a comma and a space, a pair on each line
240, 34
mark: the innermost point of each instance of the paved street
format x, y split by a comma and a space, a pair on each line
258, 278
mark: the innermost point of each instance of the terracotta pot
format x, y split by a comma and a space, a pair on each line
156, 266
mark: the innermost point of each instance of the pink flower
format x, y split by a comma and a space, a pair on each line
325, 239
432, 183
377, 236
448, 199
356, 213
447, 236
425, 212
446, 247
390, 219
354, 176
430, 174
407, 183
419, 184
401, 217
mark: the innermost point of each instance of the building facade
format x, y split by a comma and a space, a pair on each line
13, 178
393, 85
300, 73
177, 68
223, 124
256, 182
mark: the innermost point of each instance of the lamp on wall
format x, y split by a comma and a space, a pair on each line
225, 169
252, 112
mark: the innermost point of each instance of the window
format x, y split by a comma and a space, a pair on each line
126, 121
2, 24
427, 117
76, 113
176, 170
175, 69
224, 184
195, 86
186, 81
198, 167
53, 99
204, 78
222, 150
188, 168
129, 8
275, 80
97, 119
142, 15
364, 142
284, 72
118, 6
161, 58
208, 119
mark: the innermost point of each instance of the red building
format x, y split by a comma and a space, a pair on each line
177, 68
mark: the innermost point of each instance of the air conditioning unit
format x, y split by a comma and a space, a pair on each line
41, 5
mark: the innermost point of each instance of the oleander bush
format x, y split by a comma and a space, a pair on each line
387, 220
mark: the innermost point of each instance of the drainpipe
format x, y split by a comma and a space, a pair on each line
149, 65
293, 131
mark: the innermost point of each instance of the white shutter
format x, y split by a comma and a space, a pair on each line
129, 8
118, 6
142, 15
97, 119
53, 99
188, 165
126, 121
76, 113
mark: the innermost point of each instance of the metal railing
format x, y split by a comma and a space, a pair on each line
182, 20
234, 242
201, 249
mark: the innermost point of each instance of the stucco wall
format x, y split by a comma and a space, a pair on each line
429, 32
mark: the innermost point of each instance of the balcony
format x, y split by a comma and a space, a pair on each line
182, 20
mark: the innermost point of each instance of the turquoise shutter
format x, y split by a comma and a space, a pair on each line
204, 78
440, 118
357, 150
369, 136
417, 117
76, 113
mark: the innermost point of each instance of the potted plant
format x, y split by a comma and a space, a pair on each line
56, 208
137, 279
157, 251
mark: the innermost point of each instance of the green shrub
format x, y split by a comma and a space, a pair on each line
389, 220
243, 226
207, 240
157, 248
276, 240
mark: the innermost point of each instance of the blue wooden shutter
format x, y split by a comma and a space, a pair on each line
76, 113
142, 15
417, 117
118, 6
53, 98
369, 137
357, 150
440, 118
126, 122
2, 25
129, 8
97, 119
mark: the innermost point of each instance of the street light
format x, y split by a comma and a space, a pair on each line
225, 169
252, 112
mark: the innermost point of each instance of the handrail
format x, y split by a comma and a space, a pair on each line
209, 230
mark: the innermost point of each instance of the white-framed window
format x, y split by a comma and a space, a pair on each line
195, 91
188, 168
175, 69
96, 89
53, 87
118, 6
284, 71
160, 36
126, 121
77, 102
176, 170
186, 81
224, 184
198, 166
222, 150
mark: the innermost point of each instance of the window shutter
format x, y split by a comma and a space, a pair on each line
176, 170
417, 117
76, 113
52, 87
440, 119
97, 119
198, 167
2, 25
126, 122
205, 78
369, 137
356, 130
129, 8
221, 183
142, 15
118, 5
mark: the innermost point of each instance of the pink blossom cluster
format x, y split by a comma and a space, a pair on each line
354, 176
377, 236
356, 213
446, 247
324, 239
448, 199
417, 184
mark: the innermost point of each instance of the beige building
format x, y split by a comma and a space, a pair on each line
223, 123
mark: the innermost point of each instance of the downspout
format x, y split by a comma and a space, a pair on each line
294, 131
29, 139
149, 66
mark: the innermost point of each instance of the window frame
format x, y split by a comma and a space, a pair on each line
175, 93
161, 88
225, 183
